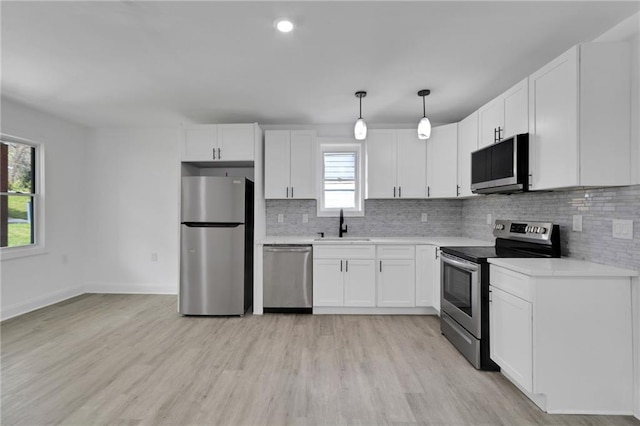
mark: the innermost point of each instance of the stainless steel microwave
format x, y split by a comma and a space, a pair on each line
502, 167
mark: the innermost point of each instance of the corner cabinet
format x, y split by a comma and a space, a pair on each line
290, 164
467, 143
579, 106
218, 142
442, 158
395, 164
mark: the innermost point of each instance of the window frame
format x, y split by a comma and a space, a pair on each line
333, 144
38, 247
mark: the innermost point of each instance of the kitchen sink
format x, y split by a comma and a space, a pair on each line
346, 239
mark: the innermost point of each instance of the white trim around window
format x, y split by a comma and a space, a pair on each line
38, 248
340, 145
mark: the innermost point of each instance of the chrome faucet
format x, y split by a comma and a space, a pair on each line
342, 229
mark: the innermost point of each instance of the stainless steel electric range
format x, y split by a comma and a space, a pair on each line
464, 282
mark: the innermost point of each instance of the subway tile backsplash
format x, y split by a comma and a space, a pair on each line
597, 206
468, 218
383, 218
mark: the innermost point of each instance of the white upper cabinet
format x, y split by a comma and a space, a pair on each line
395, 164
504, 116
219, 142
579, 114
467, 143
442, 162
289, 158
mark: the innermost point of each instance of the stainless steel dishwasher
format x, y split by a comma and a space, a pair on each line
288, 278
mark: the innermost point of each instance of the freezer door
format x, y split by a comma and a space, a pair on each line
213, 199
212, 270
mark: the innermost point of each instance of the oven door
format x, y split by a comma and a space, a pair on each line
460, 292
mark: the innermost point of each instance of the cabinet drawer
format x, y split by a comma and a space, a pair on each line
511, 282
321, 251
396, 252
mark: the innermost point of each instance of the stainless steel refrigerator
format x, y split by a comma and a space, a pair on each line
216, 247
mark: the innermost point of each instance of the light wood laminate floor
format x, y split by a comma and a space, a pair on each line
131, 359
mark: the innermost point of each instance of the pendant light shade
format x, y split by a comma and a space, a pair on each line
360, 129
424, 127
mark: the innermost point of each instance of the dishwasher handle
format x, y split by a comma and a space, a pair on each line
288, 248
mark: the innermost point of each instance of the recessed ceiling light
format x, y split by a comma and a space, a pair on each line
284, 25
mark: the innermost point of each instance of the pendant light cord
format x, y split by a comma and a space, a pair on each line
424, 109
360, 107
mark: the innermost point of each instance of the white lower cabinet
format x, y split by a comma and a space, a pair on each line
359, 279
512, 336
396, 276
563, 339
343, 276
425, 275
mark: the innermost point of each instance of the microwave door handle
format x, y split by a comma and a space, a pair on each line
462, 265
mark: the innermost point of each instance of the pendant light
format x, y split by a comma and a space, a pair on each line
424, 127
360, 129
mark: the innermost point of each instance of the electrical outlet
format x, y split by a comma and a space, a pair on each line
623, 229
305, 218
154, 257
489, 219
577, 222
424, 217
280, 218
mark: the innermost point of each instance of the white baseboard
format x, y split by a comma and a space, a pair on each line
39, 302
131, 288
340, 310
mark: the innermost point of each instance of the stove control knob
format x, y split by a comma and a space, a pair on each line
542, 230
499, 227
528, 229
536, 229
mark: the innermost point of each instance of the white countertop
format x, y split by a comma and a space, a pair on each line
436, 241
561, 267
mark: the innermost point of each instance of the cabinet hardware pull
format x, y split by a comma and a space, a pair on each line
292, 192
219, 154
490, 294
381, 266
341, 266
457, 190
428, 191
495, 131
287, 192
436, 253
346, 266
399, 192
214, 153
394, 192
500, 130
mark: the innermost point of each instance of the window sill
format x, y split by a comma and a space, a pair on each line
337, 214
8, 253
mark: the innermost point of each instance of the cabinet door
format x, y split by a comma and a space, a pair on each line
396, 283
516, 109
442, 162
199, 143
381, 164
490, 117
425, 275
303, 164
511, 344
276, 164
359, 282
553, 118
328, 282
236, 142
467, 143
412, 164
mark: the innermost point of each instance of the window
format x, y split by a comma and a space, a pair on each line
19, 189
340, 180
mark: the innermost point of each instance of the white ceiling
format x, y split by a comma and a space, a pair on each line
162, 63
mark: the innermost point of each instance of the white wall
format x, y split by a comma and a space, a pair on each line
32, 282
132, 181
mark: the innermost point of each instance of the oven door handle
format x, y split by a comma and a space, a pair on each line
462, 265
